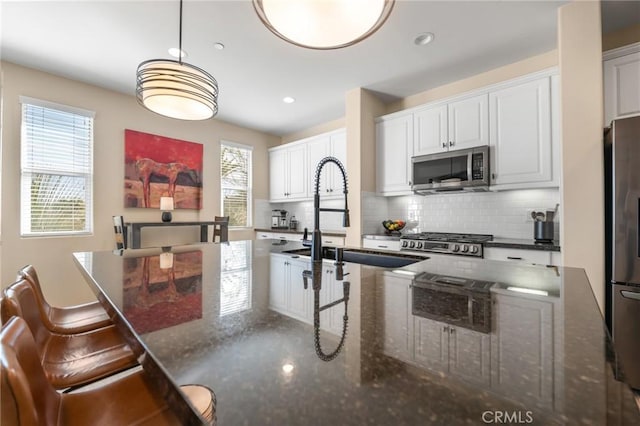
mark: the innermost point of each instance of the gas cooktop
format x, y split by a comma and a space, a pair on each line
445, 242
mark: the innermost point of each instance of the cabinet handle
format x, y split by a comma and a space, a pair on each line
444, 145
451, 143
326, 190
493, 176
445, 328
410, 183
452, 330
382, 246
514, 258
263, 236
331, 190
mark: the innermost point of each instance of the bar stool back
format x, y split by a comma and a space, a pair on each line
69, 320
68, 359
29, 399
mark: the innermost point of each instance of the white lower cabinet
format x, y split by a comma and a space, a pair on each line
286, 289
381, 244
331, 319
535, 257
395, 322
522, 349
455, 350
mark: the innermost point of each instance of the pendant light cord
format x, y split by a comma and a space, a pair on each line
180, 36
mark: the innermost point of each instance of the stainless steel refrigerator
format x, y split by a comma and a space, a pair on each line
622, 218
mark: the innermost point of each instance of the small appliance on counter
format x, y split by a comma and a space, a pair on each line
293, 223
543, 225
279, 219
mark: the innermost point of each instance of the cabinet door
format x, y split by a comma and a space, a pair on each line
278, 284
297, 177
621, 87
430, 131
431, 344
522, 349
317, 149
300, 300
469, 355
394, 149
521, 133
396, 327
277, 174
468, 122
339, 151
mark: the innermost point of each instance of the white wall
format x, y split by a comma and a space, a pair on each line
115, 112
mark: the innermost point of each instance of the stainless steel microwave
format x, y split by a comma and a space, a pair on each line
461, 170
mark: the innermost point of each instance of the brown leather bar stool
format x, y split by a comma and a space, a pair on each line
70, 320
29, 399
68, 359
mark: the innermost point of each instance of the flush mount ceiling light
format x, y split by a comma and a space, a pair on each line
176, 89
323, 24
424, 38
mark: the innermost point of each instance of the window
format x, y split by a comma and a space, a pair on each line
235, 182
235, 277
56, 169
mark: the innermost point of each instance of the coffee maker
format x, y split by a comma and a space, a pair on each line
279, 219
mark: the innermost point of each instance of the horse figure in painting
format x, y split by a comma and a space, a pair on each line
147, 167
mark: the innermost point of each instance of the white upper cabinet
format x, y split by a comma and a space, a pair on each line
394, 149
431, 134
288, 173
468, 122
458, 125
521, 134
332, 144
621, 83
293, 166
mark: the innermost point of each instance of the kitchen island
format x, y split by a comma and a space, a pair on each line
346, 348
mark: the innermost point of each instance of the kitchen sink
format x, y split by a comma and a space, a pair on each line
365, 257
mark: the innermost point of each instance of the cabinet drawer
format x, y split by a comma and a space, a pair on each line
380, 244
278, 236
518, 255
332, 241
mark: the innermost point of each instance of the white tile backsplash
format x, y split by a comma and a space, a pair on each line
505, 214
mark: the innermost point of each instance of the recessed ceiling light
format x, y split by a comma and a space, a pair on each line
424, 38
287, 368
288, 100
218, 46
175, 52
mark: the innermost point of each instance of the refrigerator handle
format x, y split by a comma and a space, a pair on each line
630, 295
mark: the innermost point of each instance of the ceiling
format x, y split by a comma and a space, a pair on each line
102, 43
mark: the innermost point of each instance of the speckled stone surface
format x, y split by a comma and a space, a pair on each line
253, 340
515, 243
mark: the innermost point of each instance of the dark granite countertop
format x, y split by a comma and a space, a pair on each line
300, 231
238, 318
515, 243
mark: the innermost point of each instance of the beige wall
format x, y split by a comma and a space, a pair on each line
621, 37
362, 107
516, 69
580, 58
114, 113
313, 131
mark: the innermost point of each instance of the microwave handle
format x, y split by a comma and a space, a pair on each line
470, 167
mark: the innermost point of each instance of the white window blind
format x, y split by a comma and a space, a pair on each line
235, 183
56, 169
235, 277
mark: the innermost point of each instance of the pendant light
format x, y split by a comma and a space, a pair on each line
323, 24
176, 89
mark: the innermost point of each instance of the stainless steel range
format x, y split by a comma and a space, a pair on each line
446, 243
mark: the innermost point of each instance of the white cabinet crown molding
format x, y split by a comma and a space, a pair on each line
621, 51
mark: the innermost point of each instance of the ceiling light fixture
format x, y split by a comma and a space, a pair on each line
176, 89
288, 100
323, 24
424, 38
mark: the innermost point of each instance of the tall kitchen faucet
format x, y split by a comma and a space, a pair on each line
316, 242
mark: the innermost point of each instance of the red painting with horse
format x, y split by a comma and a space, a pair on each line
157, 166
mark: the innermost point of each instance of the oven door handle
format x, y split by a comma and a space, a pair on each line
470, 310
